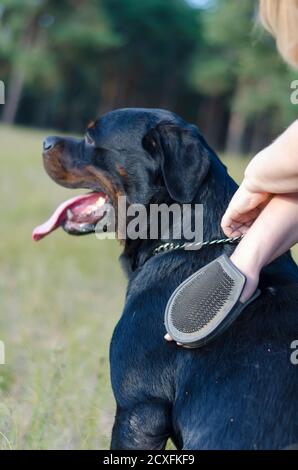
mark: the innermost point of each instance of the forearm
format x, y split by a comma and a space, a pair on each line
275, 169
273, 233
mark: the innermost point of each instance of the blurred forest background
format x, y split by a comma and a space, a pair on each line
67, 61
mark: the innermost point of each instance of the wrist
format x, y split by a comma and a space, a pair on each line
248, 259
251, 183
256, 171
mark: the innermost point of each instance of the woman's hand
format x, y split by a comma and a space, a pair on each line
243, 210
274, 170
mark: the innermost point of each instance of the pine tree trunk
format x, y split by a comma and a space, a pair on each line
17, 79
237, 125
212, 124
235, 134
15, 90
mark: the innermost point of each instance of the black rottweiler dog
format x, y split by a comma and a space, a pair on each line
241, 390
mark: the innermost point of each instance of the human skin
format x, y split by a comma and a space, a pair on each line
272, 171
273, 232
265, 208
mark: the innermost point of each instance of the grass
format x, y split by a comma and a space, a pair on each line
59, 299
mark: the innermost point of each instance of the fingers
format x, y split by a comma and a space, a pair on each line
233, 228
232, 221
167, 337
238, 229
234, 224
245, 206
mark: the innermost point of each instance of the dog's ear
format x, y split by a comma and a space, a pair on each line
184, 158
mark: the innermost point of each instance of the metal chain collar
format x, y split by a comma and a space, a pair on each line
176, 246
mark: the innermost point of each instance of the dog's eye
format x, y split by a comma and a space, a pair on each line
149, 144
89, 140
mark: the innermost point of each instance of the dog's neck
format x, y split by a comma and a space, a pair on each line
214, 193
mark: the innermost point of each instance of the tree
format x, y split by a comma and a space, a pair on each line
42, 42
66, 60
242, 65
150, 67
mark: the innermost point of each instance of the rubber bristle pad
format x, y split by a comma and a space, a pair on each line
201, 300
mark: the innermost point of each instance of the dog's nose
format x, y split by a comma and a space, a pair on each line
50, 142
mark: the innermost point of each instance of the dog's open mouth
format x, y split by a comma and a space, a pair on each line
77, 216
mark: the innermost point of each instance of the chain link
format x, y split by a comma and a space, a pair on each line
182, 246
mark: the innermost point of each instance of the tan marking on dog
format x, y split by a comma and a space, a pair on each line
91, 125
108, 187
122, 172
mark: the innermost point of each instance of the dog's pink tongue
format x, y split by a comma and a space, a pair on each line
60, 214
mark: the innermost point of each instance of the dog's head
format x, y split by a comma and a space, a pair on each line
147, 155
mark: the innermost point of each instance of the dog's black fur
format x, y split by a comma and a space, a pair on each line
238, 392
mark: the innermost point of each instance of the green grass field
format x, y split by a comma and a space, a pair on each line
59, 299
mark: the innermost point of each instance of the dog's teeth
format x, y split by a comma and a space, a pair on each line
100, 201
89, 210
69, 214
